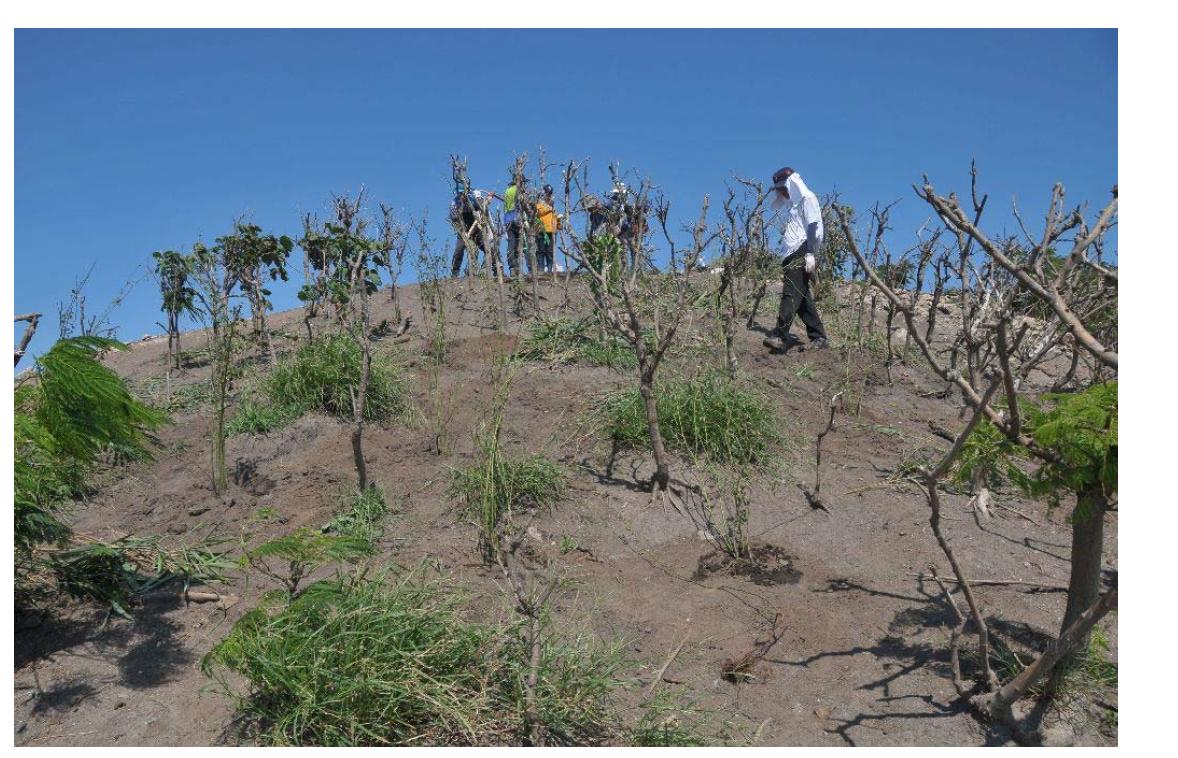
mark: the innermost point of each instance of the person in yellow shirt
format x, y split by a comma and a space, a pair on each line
549, 222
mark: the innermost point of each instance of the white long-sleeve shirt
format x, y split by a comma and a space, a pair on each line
804, 210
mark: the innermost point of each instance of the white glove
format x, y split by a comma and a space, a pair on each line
811, 263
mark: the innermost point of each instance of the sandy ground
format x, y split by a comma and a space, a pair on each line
862, 658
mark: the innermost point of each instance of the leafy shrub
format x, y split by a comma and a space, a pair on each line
290, 558
73, 411
323, 375
563, 340
373, 661
1081, 428
708, 416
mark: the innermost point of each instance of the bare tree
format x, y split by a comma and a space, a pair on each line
481, 234
744, 244
1019, 307
31, 319
73, 319
395, 240
630, 302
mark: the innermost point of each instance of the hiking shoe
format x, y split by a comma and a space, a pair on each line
819, 344
777, 344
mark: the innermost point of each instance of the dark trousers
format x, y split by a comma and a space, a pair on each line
544, 251
460, 252
797, 299
514, 247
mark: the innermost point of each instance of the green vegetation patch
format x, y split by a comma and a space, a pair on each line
564, 340
384, 660
707, 416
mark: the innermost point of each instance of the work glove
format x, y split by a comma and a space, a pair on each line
811, 263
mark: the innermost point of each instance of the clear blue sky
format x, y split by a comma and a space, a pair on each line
133, 141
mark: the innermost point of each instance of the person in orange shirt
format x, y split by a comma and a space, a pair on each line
545, 235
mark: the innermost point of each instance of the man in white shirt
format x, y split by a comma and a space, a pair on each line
802, 241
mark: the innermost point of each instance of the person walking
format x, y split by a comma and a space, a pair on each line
802, 241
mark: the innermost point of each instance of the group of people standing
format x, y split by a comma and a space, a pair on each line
530, 219
530, 223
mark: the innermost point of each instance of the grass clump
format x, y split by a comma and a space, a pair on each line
260, 418
363, 518
385, 660
564, 340
323, 375
708, 416
527, 483
666, 723
498, 485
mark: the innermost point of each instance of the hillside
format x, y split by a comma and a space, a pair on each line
862, 653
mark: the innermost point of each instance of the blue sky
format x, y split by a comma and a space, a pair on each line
133, 141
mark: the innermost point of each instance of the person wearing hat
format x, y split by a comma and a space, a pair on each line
548, 223
802, 240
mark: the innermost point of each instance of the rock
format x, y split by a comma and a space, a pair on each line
176, 529
534, 533
198, 510
1059, 735
823, 713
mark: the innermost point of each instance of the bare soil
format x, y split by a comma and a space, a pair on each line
862, 656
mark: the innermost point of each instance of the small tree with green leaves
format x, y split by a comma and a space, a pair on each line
172, 272
68, 414
216, 282
256, 259
348, 259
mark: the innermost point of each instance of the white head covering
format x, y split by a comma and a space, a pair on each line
796, 188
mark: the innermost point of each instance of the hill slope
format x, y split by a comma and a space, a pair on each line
862, 658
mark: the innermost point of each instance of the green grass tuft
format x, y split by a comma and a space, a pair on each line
391, 661
563, 340
255, 418
708, 416
363, 517
515, 483
322, 376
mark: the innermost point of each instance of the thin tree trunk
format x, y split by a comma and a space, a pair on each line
221, 356
934, 501
533, 709
662, 474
